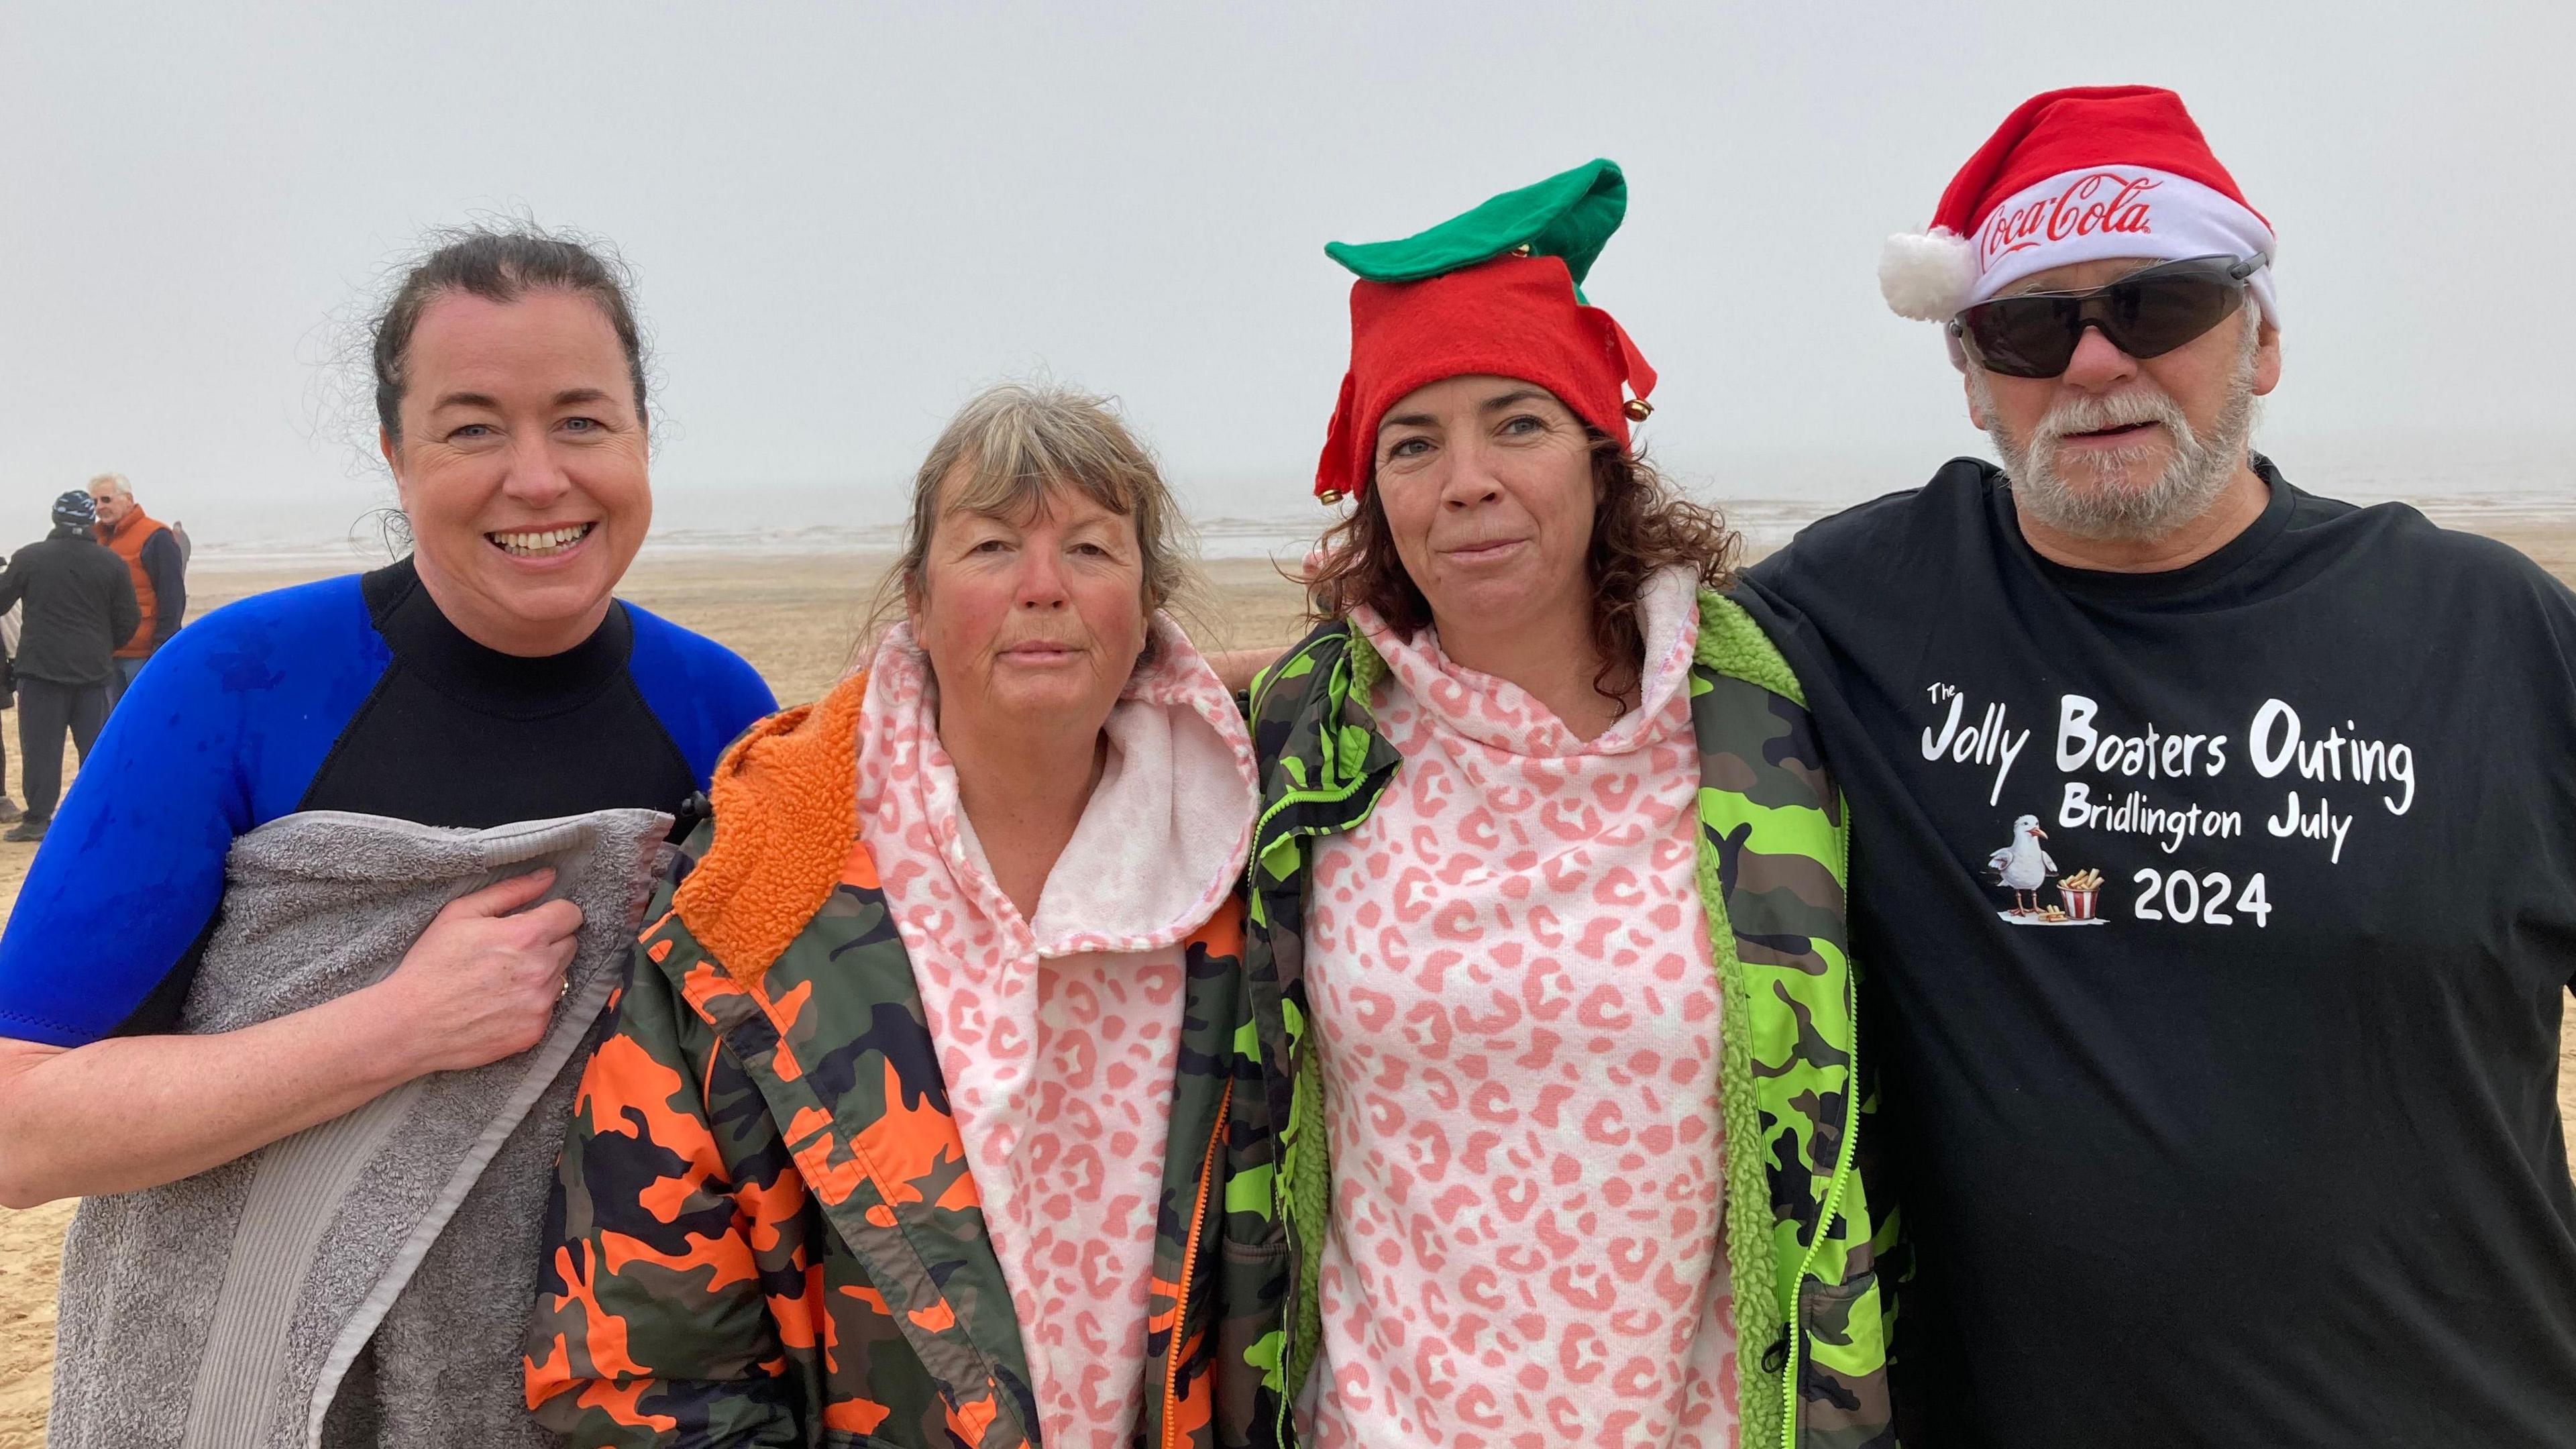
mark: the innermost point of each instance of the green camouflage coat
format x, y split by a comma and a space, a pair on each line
1802, 1243
763, 1230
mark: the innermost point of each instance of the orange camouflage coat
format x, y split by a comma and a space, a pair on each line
763, 1230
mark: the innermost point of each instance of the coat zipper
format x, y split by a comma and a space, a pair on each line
1189, 1261
1841, 1177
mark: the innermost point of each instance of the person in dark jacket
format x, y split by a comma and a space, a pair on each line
10, 814
158, 563
80, 607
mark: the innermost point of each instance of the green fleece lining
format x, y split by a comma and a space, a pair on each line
1731, 643
1754, 1280
1310, 1190
1367, 665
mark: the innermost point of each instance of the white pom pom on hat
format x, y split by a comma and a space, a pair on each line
1927, 276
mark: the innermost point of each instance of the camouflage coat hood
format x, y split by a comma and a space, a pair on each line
764, 1229
1803, 1244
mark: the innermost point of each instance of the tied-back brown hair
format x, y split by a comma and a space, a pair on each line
1017, 441
1640, 526
502, 264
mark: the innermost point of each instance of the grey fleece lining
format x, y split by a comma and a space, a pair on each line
406, 1231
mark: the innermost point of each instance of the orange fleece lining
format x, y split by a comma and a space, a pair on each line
786, 801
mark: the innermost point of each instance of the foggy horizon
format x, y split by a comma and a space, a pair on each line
844, 222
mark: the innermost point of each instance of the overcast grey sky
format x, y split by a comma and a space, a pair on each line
846, 217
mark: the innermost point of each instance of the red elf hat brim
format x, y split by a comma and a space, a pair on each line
1513, 316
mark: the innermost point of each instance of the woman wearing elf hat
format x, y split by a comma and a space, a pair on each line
1548, 876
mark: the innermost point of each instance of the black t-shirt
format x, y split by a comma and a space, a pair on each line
2256, 1144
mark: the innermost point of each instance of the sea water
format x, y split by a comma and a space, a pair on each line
2481, 485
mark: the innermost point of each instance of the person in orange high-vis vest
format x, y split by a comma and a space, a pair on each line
152, 554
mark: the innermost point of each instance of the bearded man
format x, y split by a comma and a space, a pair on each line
2244, 1130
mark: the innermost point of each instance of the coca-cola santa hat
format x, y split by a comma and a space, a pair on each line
2076, 175
1497, 290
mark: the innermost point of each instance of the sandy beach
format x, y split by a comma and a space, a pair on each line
796, 619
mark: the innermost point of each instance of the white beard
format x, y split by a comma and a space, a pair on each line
2082, 497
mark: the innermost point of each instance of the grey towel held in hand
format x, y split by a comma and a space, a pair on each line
362, 1284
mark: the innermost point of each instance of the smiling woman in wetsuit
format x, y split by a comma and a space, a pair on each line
488, 678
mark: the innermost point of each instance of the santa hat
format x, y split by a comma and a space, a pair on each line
1497, 290
2076, 175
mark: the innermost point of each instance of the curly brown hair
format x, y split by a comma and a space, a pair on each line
1640, 526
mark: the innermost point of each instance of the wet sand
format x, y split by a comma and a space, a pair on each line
798, 620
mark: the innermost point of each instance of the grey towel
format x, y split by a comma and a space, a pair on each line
390, 1252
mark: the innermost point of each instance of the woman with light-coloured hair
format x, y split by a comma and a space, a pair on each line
934, 1110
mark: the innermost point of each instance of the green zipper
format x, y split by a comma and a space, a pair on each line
1842, 1170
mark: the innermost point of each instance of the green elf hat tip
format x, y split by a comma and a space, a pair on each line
1568, 216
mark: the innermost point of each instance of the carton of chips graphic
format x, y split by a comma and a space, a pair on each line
2081, 892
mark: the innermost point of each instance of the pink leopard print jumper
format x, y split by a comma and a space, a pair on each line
1057, 1037
1518, 1020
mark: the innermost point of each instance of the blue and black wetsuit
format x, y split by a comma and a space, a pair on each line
354, 694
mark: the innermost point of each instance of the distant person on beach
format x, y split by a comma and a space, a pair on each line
2238, 1126
946, 1039
10, 621
488, 677
79, 606
156, 558
1548, 876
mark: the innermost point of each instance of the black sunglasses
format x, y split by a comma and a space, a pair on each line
2147, 313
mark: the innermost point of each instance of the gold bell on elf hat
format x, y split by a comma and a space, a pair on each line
1495, 291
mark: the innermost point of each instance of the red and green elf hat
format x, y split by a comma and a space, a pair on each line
1497, 291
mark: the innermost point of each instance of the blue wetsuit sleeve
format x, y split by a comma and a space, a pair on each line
220, 735
131, 869
704, 694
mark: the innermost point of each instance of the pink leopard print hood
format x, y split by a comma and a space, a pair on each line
1057, 1035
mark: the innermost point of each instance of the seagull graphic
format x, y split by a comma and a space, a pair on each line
2022, 867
